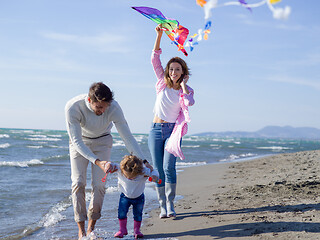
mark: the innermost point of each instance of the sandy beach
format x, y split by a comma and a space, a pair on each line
275, 197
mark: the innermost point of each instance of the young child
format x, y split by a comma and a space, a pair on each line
131, 181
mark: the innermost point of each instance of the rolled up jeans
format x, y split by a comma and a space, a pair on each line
163, 161
101, 147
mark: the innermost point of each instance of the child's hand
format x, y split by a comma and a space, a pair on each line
148, 166
154, 178
110, 167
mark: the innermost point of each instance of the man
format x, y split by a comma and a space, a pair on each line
90, 118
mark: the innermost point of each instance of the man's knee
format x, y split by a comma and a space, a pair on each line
78, 186
99, 190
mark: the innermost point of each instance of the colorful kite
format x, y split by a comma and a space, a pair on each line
177, 33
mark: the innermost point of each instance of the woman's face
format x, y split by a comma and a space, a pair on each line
175, 71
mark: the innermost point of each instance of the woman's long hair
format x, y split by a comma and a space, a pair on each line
185, 70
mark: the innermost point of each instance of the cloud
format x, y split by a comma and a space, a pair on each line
246, 19
281, 13
290, 27
105, 41
295, 81
312, 59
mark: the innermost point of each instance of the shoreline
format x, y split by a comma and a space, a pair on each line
273, 197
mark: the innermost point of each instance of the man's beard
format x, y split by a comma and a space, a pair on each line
98, 113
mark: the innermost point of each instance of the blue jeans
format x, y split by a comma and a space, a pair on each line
137, 207
163, 161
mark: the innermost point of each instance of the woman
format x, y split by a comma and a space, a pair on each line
169, 124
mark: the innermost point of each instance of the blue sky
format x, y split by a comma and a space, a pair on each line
253, 71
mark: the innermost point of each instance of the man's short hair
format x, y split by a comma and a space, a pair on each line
100, 92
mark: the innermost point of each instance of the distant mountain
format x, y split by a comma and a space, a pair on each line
286, 132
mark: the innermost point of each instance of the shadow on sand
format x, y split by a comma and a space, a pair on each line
246, 229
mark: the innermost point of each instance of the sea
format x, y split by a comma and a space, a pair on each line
35, 185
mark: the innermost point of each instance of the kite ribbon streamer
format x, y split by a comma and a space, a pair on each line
278, 13
201, 2
177, 33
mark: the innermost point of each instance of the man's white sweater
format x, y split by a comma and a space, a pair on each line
82, 121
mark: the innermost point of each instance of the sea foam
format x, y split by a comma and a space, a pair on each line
43, 139
4, 136
234, 157
21, 163
4, 145
189, 164
275, 148
55, 214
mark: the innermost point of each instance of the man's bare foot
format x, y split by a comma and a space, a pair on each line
91, 224
82, 232
81, 235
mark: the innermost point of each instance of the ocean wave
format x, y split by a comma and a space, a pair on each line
55, 136
54, 215
4, 145
223, 140
191, 146
37, 147
38, 135
234, 157
275, 148
56, 157
215, 146
186, 164
140, 138
112, 189
43, 139
48, 220
282, 142
22, 131
4, 135
21, 163
118, 144
193, 138
53, 146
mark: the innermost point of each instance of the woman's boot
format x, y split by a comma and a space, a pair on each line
162, 201
170, 189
